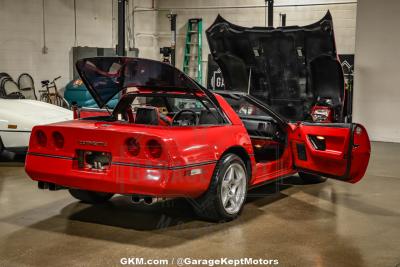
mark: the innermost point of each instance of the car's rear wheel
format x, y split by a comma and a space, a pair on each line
225, 197
308, 178
90, 197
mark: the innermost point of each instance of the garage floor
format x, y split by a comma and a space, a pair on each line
327, 224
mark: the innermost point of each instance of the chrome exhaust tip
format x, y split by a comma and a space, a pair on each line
136, 199
148, 200
49, 186
52, 187
43, 185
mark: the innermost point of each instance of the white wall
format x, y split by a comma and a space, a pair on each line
145, 29
344, 17
377, 93
21, 35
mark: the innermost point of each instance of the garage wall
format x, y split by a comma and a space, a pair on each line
145, 24
344, 19
21, 35
377, 93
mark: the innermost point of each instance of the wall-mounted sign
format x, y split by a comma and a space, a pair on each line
215, 80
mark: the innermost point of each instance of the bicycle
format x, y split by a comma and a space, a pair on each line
52, 97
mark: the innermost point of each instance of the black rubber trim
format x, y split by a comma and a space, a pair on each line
165, 167
330, 125
269, 181
14, 131
261, 137
134, 164
49, 156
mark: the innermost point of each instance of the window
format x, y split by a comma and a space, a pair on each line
243, 107
171, 104
173, 109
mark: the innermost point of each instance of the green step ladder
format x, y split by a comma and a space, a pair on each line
192, 60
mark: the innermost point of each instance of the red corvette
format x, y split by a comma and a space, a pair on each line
169, 137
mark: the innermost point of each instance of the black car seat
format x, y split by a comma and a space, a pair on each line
147, 115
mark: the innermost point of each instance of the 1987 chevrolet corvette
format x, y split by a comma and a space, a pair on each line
169, 137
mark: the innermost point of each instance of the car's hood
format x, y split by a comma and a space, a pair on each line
105, 77
27, 113
280, 66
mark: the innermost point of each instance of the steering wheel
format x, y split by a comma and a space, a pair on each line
176, 120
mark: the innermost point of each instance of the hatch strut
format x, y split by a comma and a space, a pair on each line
249, 83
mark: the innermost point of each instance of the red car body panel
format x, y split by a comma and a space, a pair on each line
346, 155
130, 175
184, 149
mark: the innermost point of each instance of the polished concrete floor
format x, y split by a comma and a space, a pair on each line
326, 224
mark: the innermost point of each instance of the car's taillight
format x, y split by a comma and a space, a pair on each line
41, 138
58, 140
133, 147
154, 148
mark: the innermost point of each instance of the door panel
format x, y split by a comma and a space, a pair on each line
361, 152
339, 151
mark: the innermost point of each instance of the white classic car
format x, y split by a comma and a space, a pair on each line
17, 118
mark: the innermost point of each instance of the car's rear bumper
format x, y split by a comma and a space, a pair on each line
121, 178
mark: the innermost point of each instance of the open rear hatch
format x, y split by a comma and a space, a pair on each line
288, 68
105, 77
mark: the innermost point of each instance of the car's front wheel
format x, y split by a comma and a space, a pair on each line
90, 197
225, 197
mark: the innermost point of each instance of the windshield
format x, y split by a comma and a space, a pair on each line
105, 77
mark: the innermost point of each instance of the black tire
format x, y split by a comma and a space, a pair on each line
90, 197
308, 178
1, 144
209, 206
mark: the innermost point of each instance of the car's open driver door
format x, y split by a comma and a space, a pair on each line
338, 151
